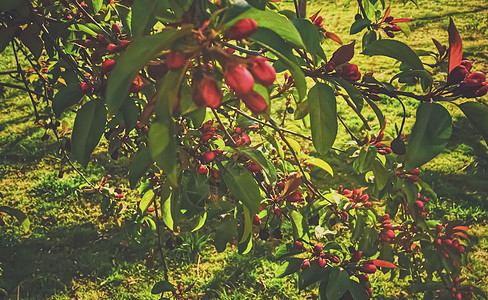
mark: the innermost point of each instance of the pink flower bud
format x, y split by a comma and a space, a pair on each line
255, 102
468, 64
239, 79
295, 197
263, 72
350, 72
125, 43
317, 249
321, 262
305, 264
100, 39
209, 156
242, 29
107, 66
175, 60
207, 92
299, 246
457, 75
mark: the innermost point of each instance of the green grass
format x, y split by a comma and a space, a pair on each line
72, 254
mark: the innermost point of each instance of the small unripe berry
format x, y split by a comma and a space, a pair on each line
241, 29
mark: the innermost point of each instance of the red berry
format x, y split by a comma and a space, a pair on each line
419, 204
125, 43
239, 79
242, 29
317, 249
255, 102
202, 169
207, 92
448, 242
115, 29
112, 48
368, 268
321, 262
263, 72
86, 88
305, 264
209, 156
107, 66
175, 60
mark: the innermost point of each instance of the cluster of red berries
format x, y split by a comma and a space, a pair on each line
387, 233
446, 240
409, 176
356, 197
377, 142
420, 208
316, 255
471, 85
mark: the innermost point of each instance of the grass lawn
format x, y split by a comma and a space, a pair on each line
74, 253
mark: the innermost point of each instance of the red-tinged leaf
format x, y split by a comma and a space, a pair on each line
383, 263
333, 37
462, 234
292, 183
387, 13
439, 47
460, 228
455, 46
401, 20
343, 54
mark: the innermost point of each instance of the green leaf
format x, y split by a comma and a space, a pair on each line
312, 274
359, 25
88, 129
161, 287
130, 113
477, 114
146, 200
292, 265
6, 35
134, 59
297, 224
142, 12
273, 21
166, 205
19, 215
226, 230
395, 49
258, 157
358, 292
168, 91
67, 96
241, 185
366, 157
323, 117
278, 46
140, 163
247, 225
380, 174
377, 111
339, 283
430, 134
321, 164
125, 15
163, 145
31, 39
310, 36
352, 91
95, 5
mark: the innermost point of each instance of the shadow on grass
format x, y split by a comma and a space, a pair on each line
44, 266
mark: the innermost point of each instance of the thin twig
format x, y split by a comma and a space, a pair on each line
24, 80
349, 130
14, 86
222, 125
160, 244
